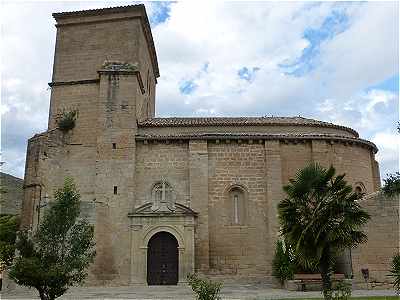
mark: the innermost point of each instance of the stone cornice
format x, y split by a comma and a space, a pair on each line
119, 68
73, 82
260, 136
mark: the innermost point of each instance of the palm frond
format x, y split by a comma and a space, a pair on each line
320, 214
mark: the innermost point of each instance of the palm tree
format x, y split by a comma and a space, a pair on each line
321, 217
395, 272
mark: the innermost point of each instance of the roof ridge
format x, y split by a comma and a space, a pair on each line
93, 11
239, 121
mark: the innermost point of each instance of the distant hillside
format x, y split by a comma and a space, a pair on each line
11, 194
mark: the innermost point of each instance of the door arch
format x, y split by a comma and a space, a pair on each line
162, 259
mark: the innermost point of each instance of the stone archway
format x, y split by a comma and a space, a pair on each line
162, 259
146, 224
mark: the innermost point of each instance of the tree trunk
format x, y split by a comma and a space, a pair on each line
42, 294
326, 284
326, 273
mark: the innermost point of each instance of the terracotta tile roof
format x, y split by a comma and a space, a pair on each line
261, 136
96, 11
238, 121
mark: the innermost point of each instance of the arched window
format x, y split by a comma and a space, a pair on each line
162, 196
359, 188
237, 205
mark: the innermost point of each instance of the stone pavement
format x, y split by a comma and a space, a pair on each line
229, 292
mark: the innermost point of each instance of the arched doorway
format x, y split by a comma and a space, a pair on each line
162, 259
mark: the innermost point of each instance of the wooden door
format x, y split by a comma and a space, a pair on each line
162, 259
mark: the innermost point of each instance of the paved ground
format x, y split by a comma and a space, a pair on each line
229, 292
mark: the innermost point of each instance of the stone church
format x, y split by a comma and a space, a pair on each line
168, 196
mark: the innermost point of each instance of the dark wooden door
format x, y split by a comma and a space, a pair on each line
162, 259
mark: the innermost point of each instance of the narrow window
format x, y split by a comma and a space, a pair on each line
237, 206
115, 190
114, 145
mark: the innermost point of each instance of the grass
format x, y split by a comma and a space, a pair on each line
356, 298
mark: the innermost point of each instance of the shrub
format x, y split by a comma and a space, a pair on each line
342, 291
395, 272
205, 289
391, 185
8, 233
282, 264
67, 120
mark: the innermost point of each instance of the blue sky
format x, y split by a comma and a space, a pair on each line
336, 62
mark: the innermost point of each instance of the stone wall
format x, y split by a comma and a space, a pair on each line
162, 161
202, 173
383, 239
11, 194
238, 250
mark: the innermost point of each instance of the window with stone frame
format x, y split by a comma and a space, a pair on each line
237, 201
359, 188
162, 196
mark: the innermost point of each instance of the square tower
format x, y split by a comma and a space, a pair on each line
89, 40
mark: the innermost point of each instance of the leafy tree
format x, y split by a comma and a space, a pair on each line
391, 185
58, 254
395, 272
283, 264
8, 234
320, 217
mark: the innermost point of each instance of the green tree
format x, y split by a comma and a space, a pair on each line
320, 217
8, 234
395, 272
391, 185
58, 254
283, 264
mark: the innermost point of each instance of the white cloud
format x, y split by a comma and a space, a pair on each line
369, 112
366, 53
388, 156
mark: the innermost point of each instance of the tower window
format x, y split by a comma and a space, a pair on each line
115, 190
114, 145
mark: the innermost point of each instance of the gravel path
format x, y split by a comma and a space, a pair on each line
229, 292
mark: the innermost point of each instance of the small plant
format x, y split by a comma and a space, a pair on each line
282, 264
392, 185
342, 291
67, 120
395, 272
205, 289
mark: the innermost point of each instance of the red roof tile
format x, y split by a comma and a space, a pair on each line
238, 121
